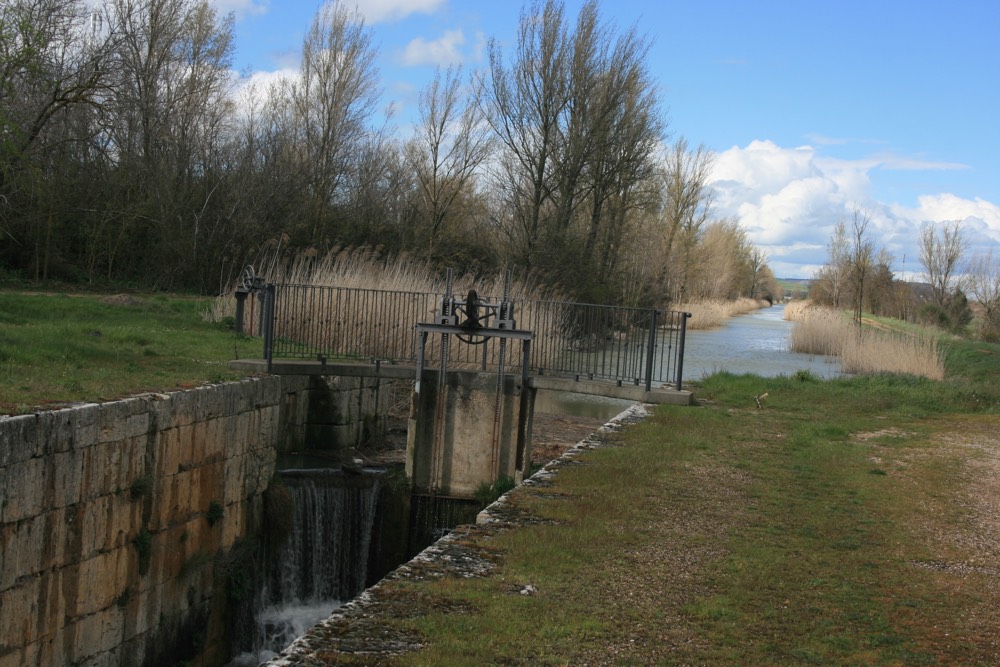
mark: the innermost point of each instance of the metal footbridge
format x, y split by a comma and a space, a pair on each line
615, 351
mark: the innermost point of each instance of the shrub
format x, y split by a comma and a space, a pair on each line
215, 512
487, 493
141, 487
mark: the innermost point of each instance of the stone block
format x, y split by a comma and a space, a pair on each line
89, 635
173, 495
50, 609
49, 532
19, 439
110, 468
111, 421
187, 435
85, 423
112, 634
27, 655
101, 580
94, 526
168, 451
25, 490
267, 427
9, 572
183, 404
212, 446
138, 424
161, 411
236, 444
64, 478
235, 475
234, 524
55, 430
20, 612
269, 393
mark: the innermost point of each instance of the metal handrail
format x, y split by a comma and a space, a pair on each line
640, 346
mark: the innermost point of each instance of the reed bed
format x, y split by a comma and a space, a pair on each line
714, 313
819, 330
867, 352
796, 310
888, 352
357, 298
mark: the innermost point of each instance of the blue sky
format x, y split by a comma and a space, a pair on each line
813, 108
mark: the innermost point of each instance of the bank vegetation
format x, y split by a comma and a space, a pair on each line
131, 154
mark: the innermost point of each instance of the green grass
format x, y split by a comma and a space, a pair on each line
56, 348
803, 552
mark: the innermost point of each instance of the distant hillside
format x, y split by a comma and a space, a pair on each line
795, 287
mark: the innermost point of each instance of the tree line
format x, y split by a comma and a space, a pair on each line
859, 276
131, 152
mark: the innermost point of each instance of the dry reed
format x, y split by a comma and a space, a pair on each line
714, 313
887, 352
829, 332
819, 330
382, 325
795, 310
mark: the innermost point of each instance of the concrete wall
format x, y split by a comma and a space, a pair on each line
454, 443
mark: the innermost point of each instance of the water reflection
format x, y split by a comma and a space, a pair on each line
756, 343
579, 405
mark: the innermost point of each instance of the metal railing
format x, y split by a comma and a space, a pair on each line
640, 346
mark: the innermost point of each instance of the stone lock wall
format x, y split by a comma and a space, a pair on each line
344, 411
114, 518
119, 521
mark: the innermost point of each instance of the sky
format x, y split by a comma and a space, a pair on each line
814, 109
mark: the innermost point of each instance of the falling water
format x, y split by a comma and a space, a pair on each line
324, 561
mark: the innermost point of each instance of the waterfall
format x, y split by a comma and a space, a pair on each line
324, 561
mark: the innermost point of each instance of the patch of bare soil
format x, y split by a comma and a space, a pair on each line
552, 435
962, 530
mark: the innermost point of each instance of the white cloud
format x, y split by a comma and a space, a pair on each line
444, 51
249, 93
241, 8
376, 11
790, 199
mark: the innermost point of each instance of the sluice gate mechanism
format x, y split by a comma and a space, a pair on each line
470, 426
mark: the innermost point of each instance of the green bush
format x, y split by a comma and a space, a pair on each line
141, 487
215, 512
487, 493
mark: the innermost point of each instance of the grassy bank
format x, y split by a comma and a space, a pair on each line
832, 526
57, 348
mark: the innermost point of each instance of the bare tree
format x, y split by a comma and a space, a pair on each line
983, 283
53, 72
758, 273
940, 256
333, 101
860, 258
685, 209
838, 265
523, 104
449, 146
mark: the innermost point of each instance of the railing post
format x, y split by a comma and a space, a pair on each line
241, 297
680, 350
267, 323
651, 349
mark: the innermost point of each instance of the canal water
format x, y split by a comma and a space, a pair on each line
757, 343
